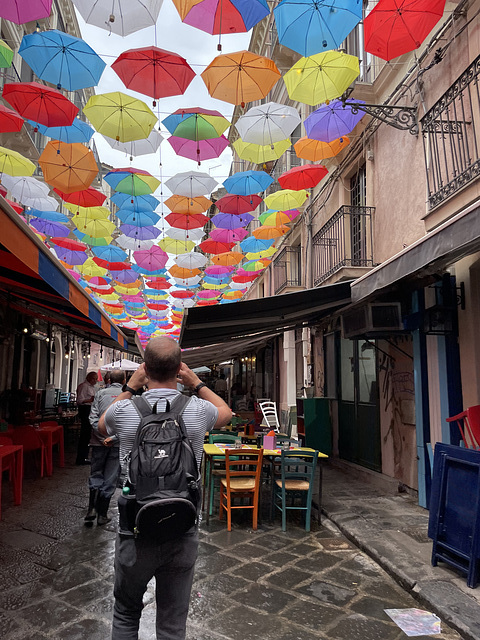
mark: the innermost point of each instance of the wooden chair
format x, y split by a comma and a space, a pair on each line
243, 473
218, 463
270, 416
31, 441
296, 481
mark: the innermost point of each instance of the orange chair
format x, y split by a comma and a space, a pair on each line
31, 441
243, 473
469, 425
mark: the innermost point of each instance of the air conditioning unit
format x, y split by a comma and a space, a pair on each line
374, 320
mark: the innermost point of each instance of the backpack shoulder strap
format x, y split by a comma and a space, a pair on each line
179, 404
142, 406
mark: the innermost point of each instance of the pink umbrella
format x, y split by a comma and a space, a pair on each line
199, 149
208, 294
228, 235
218, 269
135, 298
151, 259
22, 11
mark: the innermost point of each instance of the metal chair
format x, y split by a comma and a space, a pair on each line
243, 474
270, 416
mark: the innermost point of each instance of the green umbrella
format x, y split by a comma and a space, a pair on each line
6, 55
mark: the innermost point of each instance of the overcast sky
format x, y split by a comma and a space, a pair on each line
199, 49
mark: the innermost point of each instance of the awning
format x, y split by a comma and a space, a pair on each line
450, 242
264, 316
35, 283
217, 353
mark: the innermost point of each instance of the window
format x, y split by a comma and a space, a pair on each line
358, 236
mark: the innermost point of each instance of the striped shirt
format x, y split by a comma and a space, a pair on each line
123, 419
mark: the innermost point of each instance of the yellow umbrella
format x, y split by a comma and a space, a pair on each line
90, 268
157, 296
321, 77
275, 218
14, 164
214, 286
97, 228
119, 116
315, 150
286, 199
259, 153
261, 254
94, 213
170, 245
109, 296
128, 291
233, 295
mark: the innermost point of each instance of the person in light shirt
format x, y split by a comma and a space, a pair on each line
85, 394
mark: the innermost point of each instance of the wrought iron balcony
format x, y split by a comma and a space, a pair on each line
346, 240
287, 269
451, 137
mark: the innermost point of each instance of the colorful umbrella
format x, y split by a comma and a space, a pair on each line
50, 228
151, 259
65, 243
257, 153
62, 59
73, 258
332, 121
96, 242
199, 150
24, 188
140, 233
276, 218
154, 72
395, 27
86, 198
133, 243
232, 221
195, 235
304, 177
96, 228
228, 258
208, 294
182, 204
51, 216
215, 247
44, 203
22, 11
245, 183
140, 218
238, 204
285, 199
138, 147
126, 276
196, 124
240, 77
68, 167
14, 164
94, 213
321, 77
136, 182
39, 103
134, 203
254, 245
110, 253
16, 207
228, 235
191, 184
78, 131
266, 232
6, 55
184, 221
176, 247
314, 150
122, 17
10, 121
119, 116
192, 260
181, 273
268, 123
233, 295
222, 16
254, 265
313, 26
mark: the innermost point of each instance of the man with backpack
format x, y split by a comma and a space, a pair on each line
166, 435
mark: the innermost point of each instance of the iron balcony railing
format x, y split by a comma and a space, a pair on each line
287, 269
451, 137
346, 240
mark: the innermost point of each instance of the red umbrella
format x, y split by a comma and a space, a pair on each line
395, 27
214, 246
206, 303
182, 294
245, 278
157, 306
183, 221
15, 206
87, 198
158, 283
39, 103
72, 245
304, 177
238, 204
154, 72
9, 120
112, 266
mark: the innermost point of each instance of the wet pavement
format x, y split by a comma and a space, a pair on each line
56, 575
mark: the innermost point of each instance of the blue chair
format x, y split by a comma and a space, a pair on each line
218, 462
295, 484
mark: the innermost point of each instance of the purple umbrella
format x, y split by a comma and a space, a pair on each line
142, 233
22, 11
199, 149
71, 257
54, 229
231, 220
332, 121
127, 276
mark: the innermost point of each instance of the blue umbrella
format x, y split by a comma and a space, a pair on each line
255, 245
245, 183
142, 270
84, 237
52, 216
140, 218
62, 59
134, 203
213, 280
78, 131
313, 26
110, 253
332, 121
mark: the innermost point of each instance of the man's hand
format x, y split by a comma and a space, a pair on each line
139, 378
187, 377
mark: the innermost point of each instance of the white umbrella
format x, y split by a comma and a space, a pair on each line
191, 184
122, 17
42, 203
195, 235
239, 285
137, 147
268, 123
24, 188
133, 243
125, 365
184, 303
191, 260
187, 282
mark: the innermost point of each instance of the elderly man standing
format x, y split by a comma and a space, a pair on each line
85, 395
138, 560
105, 454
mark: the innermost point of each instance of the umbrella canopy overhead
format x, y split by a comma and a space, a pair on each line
245, 183
23, 188
312, 26
268, 123
138, 147
6, 55
62, 59
196, 123
151, 259
333, 120
315, 150
183, 221
199, 150
14, 164
191, 184
285, 199
195, 235
232, 221
258, 153
222, 16
85, 198
303, 177
120, 116
240, 77
39, 103
20, 12
10, 121
182, 204
135, 182
122, 17
50, 228
78, 131
68, 167
238, 204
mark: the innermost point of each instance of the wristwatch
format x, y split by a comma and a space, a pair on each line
130, 390
199, 386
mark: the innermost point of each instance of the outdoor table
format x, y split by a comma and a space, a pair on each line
13, 454
51, 435
212, 450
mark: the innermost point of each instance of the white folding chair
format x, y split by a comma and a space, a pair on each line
270, 416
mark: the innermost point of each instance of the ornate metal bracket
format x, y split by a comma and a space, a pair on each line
403, 118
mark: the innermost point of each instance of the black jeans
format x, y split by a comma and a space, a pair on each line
136, 563
85, 432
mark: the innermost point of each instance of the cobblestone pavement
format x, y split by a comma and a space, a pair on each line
56, 577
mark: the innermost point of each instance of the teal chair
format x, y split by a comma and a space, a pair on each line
294, 489
218, 462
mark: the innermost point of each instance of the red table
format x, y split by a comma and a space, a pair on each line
12, 454
51, 435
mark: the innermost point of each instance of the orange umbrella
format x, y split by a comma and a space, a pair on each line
180, 272
267, 232
228, 258
233, 295
68, 167
182, 204
240, 77
314, 150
